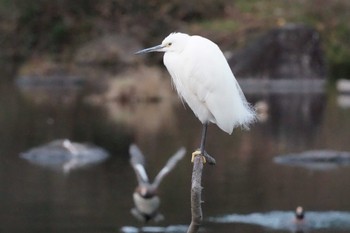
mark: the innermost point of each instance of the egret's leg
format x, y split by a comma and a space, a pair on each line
201, 151
204, 136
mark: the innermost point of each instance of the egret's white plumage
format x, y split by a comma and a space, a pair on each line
204, 80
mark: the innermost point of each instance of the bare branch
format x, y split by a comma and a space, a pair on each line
196, 195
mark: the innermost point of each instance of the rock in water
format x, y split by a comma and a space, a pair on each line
65, 155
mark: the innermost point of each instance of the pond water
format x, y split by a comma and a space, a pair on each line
99, 198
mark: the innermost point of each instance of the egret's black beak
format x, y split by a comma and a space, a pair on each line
157, 48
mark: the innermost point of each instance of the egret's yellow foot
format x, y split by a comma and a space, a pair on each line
196, 153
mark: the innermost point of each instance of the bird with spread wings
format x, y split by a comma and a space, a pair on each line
145, 196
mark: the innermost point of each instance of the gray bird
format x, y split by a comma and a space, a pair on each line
145, 196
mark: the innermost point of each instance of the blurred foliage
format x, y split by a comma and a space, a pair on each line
58, 26
55, 24
44, 25
332, 19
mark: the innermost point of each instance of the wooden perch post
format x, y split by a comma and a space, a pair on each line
196, 195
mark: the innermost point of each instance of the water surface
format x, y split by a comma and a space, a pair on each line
99, 198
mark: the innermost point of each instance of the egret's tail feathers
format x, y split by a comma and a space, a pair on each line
242, 116
249, 118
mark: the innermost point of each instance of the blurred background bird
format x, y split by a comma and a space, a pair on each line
300, 225
204, 80
299, 214
145, 196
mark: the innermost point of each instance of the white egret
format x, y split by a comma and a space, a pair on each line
204, 80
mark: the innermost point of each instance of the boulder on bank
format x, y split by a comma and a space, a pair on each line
290, 52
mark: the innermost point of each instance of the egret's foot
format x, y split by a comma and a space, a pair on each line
205, 158
209, 159
198, 153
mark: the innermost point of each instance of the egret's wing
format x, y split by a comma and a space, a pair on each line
216, 87
137, 161
230, 107
169, 165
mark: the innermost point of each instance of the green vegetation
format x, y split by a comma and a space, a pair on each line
57, 27
221, 25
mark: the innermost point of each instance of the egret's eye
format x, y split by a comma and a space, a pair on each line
169, 44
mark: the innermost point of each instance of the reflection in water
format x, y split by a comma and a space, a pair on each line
65, 155
51, 95
343, 101
285, 220
297, 115
50, 87
343, 98
262, 110
145, 196
316, 159
48, 114
144, 118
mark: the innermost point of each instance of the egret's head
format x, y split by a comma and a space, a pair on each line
175, 42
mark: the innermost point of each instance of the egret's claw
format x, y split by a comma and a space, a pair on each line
196, 153
209, 158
